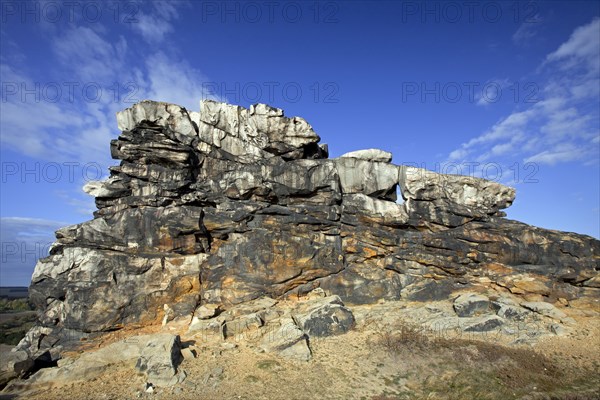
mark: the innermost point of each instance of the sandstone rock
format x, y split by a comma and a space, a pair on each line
593, 282
228, 346
373, 179
92, 289
316, 293
460, 195
558, 330
188, 354
170, 116
215, 373
545, 309
14, 364
243, 325
159, 359
208, 328
152, 353
370, 155
471, 304
512, 312
264, 128
383, 212
324, 317
288, 341
531, 285
227, 206
484, 324
206, 311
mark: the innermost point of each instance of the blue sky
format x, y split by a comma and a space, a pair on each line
499, 89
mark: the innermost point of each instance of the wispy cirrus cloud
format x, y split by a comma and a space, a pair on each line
581, 50
155, 24
564, 125
528, 30
493, 88
99, 73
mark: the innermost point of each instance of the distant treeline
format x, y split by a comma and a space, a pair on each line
14, 292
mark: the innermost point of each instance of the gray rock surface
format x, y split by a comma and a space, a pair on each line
370, 155
484, 324
512, 312
226, 206
155, 356
471, 304
545, 309
324, 317
15, 363
373, 179
206, 311
159, 359
288, 341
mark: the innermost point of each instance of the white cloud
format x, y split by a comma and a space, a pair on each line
80, 128
81, 202
492, 91
92, 57
561, 153
527, 30
24, 241
587, 89
582, 46
561, 128
174, 81
458, 154
155, 24
28, 123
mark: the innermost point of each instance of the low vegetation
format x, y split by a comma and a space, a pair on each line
14, 305
439, 368
14, 327
16, 319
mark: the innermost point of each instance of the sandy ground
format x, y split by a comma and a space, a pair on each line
358, 365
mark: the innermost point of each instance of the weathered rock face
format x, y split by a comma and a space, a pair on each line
218, 208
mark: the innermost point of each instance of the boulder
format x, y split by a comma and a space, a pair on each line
370, 155
288, 340
156, 356
325, 316
373, 179
484, 324
463, 194
14, 364
206, 311
159, 359
471, 304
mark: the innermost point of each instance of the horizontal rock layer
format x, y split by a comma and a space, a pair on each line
228, 205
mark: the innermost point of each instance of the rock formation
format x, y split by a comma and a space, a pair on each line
213, 211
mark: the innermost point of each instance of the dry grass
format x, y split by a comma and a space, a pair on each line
405, 362
469, 369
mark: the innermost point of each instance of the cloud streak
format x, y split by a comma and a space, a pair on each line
99, 72
560, 128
